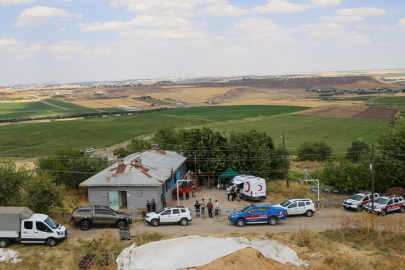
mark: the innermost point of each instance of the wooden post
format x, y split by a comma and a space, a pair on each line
285, 162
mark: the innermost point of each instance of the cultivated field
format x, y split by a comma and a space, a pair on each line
361, 112
111, 103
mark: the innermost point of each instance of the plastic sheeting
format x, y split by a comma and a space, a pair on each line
9, 255
175, 253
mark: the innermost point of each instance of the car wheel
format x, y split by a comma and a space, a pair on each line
402, 209
3, 243
309, 213
183, 222
272, 221
85, 225
52, 242
240, 223
155, 223
121, 224
383, 212
359, 208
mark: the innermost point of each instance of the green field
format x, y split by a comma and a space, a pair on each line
33, 139
394, 102
38, 109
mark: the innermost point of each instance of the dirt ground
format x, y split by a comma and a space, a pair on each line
361, 112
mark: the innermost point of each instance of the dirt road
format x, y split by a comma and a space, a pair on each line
320, 221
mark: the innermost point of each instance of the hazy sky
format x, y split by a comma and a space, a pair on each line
83, 40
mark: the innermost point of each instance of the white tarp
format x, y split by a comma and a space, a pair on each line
175, 253
237, 182
7, 255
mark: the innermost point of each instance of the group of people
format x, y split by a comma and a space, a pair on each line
151, 206
185, 191
234, 193
200, 208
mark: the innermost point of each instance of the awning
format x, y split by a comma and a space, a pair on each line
237, 182
228, 173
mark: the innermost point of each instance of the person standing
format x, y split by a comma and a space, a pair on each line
148, 206
228, 191
181, 192
210, 206
237, 192
163, 199
203, 207
233, 193
187, 192
153, 206
197, 209
193, 190
216, 207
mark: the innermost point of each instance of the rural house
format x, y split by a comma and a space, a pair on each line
135, 179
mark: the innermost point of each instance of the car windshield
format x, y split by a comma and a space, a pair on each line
378, 200
246, 208
286, 203
357, 197
161, 210
382, 200
51, 223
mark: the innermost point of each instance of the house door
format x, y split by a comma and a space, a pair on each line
123, 199
114, 202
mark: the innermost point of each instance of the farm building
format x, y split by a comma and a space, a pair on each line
135, 179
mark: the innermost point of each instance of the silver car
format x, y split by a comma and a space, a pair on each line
298, 207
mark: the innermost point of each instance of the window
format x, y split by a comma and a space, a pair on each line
301, 204
253, 211
262, 209
389, 202
104, 193
183, 210
176, 211
395, 200
84, 212
99, 211
307, 203
41, 226
28, 225
139, 193
166, 213
365, 198
293, 205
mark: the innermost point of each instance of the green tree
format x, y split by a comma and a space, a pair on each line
121, 152
11, 181
167, 137
313, 151
209, 146
137, 145
390, 158
252, 152
357, 149
40, 194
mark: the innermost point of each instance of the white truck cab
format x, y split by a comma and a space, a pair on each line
21, 223
251, 187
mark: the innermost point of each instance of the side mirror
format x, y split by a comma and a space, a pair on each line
114, 213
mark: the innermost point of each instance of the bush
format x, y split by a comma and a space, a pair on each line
313, 151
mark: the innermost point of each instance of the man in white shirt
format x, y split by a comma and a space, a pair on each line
216, 207
228, 191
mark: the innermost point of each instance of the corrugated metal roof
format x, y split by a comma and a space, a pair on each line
156, 168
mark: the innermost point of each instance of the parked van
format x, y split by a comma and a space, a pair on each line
251, 187
20, 223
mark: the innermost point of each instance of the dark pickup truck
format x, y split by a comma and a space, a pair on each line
98, 215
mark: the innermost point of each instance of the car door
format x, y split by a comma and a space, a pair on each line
165, 216
175, 217
389, 205
365, 200
98, 217
110, 216
301, 208
41, 232
292, 209
396, 205
27, 232
252, 215
263, 214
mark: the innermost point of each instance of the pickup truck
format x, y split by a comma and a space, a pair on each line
21, 223
258, 213
98, 215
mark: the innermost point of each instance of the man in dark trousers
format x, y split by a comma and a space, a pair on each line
197, 209
153, 206
148, 205
163, 199
187, 192
210, 206
203, 207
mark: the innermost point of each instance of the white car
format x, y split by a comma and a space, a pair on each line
298, 207
90, 150
169, 215
359, 201
387, 204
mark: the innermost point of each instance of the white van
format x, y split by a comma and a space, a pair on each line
251, 187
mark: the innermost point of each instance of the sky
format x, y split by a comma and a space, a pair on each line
56, 41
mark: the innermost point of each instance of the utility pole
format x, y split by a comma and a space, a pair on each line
285, 162
372, 177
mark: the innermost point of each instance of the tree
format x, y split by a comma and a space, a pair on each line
390, 158
121, 152
40, 194
139, 146
11, 181
252, 152
313, 151
357, 149
167, 137
210, 149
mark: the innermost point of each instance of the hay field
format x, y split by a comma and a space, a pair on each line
193, 95
177, 86
111, 103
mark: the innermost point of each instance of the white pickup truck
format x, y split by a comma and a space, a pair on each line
21, 223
